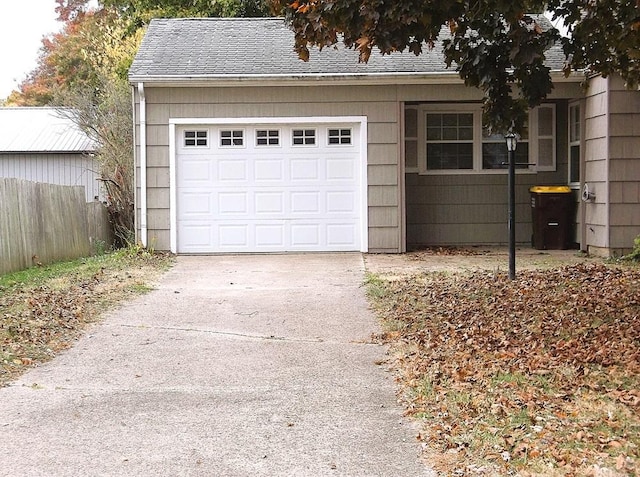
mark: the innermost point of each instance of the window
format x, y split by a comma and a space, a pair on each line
339, 136
574, 143
232, 138
451, 139
495, 154
196, 138
411, 138
304, 137
267, 137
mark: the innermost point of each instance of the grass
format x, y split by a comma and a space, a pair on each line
45, 309
540, 376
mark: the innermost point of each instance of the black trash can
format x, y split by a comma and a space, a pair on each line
551, 214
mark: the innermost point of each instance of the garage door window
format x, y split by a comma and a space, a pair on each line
339, 136
267, 137
232, 138
304, 137
196, 138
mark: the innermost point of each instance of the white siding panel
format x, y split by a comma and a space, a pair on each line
62, 169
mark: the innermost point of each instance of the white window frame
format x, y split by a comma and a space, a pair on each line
574, 141
304, 137
207, 138
476, 110
232, 145
340, 137
410, 138
268, 137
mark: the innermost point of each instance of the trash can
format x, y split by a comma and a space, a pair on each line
551, 214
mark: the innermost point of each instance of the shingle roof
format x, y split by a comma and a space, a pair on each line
257, 47
41, 130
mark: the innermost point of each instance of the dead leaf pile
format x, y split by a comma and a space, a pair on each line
38, 320
537, 376
445, 250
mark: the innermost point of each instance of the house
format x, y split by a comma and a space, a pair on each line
242, 147
45, 145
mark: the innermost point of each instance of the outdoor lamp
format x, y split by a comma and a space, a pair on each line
512, 141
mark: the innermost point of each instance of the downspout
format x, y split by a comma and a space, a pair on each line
143, 165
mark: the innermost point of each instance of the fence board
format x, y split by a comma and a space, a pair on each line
45, 223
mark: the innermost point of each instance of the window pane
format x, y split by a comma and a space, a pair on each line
434, 134
411, 122
496, 156
449, 134
574, 164
466, 133
545, 152
411, 153
449, 156
545, 121
450, 120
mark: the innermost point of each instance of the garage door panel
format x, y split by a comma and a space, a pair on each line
196, 203
341, 235
303, 170
196, 237
233, 203
340, 169
270, 235
270, 170
341, 202
269, 199
269, 202
234, 236
305, 235
232, 170
305, 202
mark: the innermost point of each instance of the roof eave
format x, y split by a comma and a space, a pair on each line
319, 79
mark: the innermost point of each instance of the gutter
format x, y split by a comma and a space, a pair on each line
143, 164
319, 79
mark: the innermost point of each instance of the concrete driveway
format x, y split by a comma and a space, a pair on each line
233, 366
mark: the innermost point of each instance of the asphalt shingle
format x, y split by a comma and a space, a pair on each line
254, 47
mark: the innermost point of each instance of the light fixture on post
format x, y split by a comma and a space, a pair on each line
512, 142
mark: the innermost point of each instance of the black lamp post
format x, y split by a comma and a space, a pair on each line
512, 142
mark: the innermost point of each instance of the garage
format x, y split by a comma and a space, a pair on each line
275, 186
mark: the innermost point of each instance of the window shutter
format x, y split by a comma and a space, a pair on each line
546, 138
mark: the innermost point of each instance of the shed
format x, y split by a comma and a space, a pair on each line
45, 145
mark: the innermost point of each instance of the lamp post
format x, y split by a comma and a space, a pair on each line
512, 142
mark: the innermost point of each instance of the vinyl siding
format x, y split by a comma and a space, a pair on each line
472, 209
377, 103
624, 167
72, 169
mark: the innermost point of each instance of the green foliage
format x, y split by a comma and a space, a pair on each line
635, 253
139, 12
495, 45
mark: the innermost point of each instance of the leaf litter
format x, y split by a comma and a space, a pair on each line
536, 376
44, 315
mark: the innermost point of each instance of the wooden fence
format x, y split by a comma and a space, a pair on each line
44, 223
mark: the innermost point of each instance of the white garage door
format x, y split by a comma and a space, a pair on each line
269, 188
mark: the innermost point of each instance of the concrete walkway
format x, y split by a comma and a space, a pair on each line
233, 366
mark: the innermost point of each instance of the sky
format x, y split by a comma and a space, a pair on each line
23, 24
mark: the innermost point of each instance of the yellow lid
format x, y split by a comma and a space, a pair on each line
550, 189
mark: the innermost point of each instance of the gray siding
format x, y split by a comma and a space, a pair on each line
624, 167
612, 166
472, 209
71, 169
378, 104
